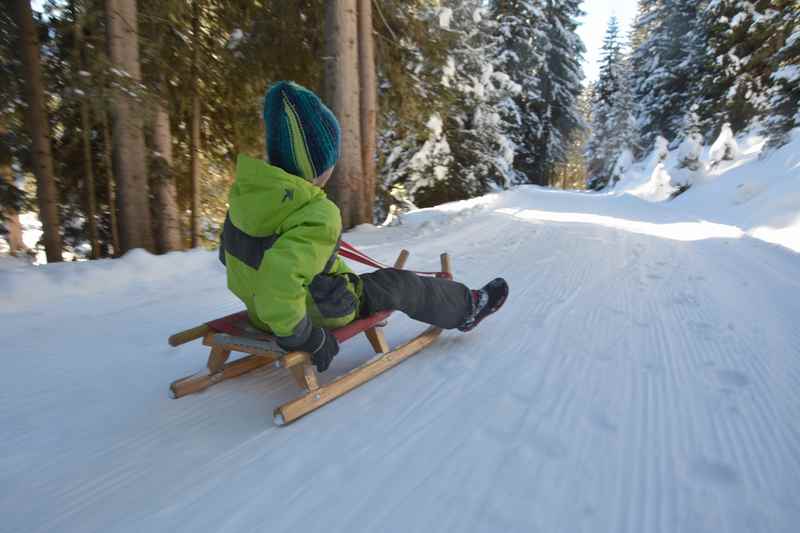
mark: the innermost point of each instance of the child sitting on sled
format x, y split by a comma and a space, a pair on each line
280, 241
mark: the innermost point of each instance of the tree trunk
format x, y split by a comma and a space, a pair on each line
341, 91
15, 243
86, 127
91, 201
168, 235
16, 246
36, 117
135, 229
369, 104
112, 202
195, 139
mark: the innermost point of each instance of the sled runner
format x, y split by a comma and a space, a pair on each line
234, 333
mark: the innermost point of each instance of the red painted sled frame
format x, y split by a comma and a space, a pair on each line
231, 334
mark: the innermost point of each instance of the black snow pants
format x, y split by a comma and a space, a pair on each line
436, 301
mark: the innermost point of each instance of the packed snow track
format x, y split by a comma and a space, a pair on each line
644, 376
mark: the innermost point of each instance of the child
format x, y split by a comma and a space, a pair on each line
281, 235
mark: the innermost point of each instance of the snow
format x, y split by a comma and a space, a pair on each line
435, 124
448, 71
643, 377
690, 150
119, 72
793, 38
740, 18
429, 163
725, 147
790, 73
445, 18
235, 39
477, 15
737, 183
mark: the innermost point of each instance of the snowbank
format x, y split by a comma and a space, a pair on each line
23, 287
734, 182
448, 213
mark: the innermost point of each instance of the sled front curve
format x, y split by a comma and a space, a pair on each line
233, 333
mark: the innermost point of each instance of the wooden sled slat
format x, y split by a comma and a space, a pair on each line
189, 335
202, 380
312, 400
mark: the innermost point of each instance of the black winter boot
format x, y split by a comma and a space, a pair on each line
485, 301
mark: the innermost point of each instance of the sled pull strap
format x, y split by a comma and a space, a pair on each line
349, 251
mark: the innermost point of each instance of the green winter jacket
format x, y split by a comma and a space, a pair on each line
279, 247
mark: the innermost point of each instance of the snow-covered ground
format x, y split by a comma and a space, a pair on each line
644, 376
735, 181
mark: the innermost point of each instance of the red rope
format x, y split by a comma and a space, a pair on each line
349, 251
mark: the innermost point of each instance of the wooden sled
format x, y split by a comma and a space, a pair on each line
234, 333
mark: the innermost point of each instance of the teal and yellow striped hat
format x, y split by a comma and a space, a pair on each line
303, 135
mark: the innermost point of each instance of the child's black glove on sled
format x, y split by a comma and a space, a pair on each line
322, 346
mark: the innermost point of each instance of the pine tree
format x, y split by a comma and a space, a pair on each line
520, 55
468, 148
128, 128
784, 96
242, 48
622, 115
37, 123
744, 41
666, 64
342, 93
571, 174
368, 105
609, 111
89, 193
481, 131
453, 162
11, 198
165, 208
78, 76
416, 73
196, 114
560, 82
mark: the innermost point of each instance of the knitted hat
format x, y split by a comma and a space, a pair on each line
302, 134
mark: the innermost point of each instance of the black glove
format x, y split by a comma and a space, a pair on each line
321, 344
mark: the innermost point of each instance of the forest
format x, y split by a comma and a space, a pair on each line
121, 120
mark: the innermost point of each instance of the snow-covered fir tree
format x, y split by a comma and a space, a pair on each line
413, 62
611, 120
571, 174
483, 116
743, 39
666, 64
520, 34
784, 95
502, 82
622, 114
560, 82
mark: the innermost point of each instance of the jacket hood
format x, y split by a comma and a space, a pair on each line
263, 196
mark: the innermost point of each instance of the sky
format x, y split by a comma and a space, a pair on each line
594, 27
